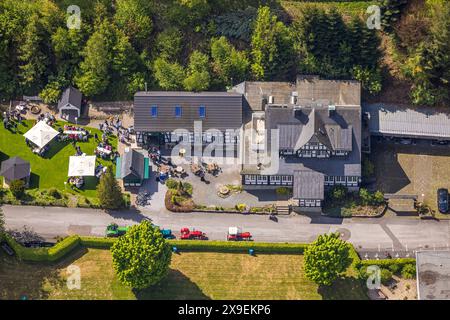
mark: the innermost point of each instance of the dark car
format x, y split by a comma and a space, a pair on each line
442, 199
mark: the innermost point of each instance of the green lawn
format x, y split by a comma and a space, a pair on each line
191, 276
50, 171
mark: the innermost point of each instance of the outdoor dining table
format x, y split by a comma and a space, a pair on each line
75, 132
179, 169
212, 167
164, 169
104, 150
195, 168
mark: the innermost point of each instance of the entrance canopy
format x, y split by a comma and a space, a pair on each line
41, 134
81, 166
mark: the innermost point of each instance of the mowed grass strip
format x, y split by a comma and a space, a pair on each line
51, 171
198, 275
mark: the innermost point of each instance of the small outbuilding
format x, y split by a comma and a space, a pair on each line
70, 104
15, 168
133, 168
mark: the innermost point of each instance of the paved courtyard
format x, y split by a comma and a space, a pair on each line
412, 169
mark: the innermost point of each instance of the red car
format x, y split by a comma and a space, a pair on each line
236, 234
186, 234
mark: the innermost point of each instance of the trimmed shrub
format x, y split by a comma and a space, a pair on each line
171, 184
17, 188
241, 207
338, 193
409, 271
386, 276
394, 268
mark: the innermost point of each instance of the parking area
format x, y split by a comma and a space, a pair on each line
415, 167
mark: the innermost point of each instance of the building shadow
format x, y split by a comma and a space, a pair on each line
176, 286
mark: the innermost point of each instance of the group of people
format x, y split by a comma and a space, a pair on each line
75, 181
11, 120
48, 118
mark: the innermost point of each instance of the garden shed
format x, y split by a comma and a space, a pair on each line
133, 168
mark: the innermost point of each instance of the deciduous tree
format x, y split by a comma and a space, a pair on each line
141, 257
326, 259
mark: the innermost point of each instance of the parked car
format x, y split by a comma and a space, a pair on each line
236, 234
113, 230
406, 141
442, 199
187, 234
439, 143
7, 248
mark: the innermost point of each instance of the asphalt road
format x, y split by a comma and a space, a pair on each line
400, 234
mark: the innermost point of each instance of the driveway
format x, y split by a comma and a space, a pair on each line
401, 234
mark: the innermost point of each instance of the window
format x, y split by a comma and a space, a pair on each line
202, 111
178, 111
154, 111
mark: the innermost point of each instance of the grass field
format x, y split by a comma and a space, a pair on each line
50, 171
346, 8
191, 276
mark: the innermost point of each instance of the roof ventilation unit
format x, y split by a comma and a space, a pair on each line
271, 100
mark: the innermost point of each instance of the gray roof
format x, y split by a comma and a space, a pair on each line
336, 92
15, 168
223, 110
308, 89
433, 275
132, 165
71, 96
415, 123
308, 185
291, 123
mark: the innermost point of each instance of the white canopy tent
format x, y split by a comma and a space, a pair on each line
41, 134
81, 166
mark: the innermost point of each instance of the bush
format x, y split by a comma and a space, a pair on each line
171, 184
409, 271
241, 207
394, 268
17, 188
338, 193
365, 196
386, 276
283, 191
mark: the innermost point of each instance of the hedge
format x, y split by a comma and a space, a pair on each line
210, 246
51, 254
244, 246
386, 263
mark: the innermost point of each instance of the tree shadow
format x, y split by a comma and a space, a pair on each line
344, 288
176, 286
